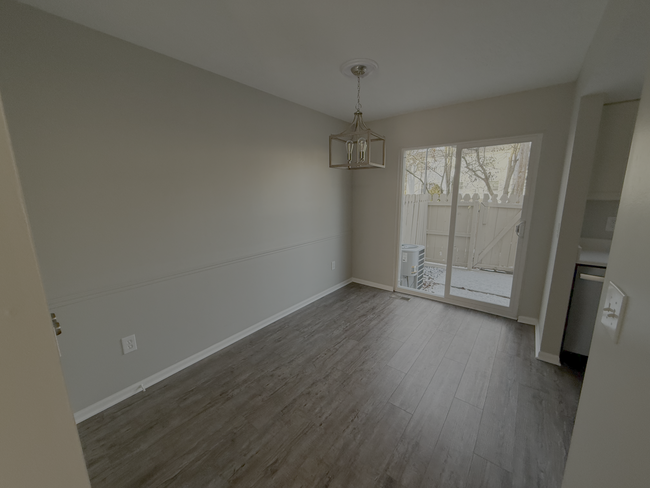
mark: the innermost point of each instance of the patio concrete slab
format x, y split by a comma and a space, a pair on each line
481, 285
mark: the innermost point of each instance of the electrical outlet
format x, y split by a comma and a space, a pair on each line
129, 344
611, 223
333, 264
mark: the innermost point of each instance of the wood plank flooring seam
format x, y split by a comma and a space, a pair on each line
316, 400
433, 373
506, 468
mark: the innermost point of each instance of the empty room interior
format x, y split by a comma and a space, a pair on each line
197, 292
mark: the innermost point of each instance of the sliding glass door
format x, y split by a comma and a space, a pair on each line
464, 212
426, 215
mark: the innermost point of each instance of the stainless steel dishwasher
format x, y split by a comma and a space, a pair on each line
583, 308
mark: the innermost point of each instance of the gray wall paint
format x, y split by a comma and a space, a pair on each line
610, 161
375, 193
165, 201
611, 437
595, 220
612, 150
568, 224
621, 21
39, 445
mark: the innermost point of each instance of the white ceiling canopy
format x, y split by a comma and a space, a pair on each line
430, 53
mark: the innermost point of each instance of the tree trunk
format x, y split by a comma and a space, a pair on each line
515, 156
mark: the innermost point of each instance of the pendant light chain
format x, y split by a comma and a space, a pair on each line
358, 106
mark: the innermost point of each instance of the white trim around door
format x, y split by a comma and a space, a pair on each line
510, 311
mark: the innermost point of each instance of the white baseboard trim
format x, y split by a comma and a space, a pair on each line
527, 320
548, 358
121, 395
541, 355
372, 283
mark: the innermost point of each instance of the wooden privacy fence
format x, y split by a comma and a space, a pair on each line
485, 229
415, 219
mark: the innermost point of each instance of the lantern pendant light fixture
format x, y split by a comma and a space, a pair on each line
358, 147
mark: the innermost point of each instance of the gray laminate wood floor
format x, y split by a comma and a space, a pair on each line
359, 389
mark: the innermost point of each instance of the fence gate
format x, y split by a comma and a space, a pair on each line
485, 229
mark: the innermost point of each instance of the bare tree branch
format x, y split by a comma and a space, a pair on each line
416, 177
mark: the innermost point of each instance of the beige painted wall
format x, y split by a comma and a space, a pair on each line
39, 445
165, 201
375, 193
611, 438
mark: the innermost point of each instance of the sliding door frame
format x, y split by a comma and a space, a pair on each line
526, 213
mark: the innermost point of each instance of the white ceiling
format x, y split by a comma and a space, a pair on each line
430, 52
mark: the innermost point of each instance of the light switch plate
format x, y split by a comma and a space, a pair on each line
613, 309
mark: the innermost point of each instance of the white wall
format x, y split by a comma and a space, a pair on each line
612, 150
612, 69
618, 52
610, 161
39, 445
568, 225
165, 201
611, 437
375, 193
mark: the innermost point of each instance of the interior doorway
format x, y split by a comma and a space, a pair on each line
464, 212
